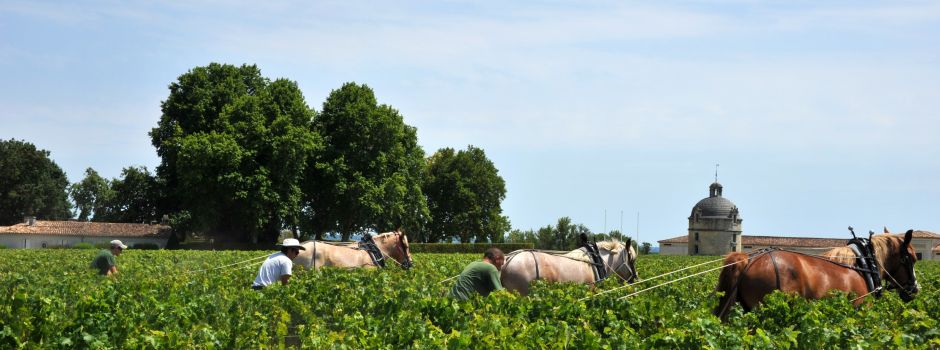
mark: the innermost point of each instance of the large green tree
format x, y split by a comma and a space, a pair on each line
31, 184
134, 197
91, 195
368, 174
563, 236
234, 147
465, 193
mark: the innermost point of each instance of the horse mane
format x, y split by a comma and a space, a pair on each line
883, 244
385, 235
580, 254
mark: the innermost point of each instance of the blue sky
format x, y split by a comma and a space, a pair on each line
821, 114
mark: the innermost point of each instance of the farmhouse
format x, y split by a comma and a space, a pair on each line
715, 229
32, 233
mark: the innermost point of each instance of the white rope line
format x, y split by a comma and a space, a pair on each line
682, 269
867, 294
650, 279
224, 266
677, 280
448, 279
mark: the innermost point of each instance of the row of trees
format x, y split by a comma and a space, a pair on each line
243, 157
565, 235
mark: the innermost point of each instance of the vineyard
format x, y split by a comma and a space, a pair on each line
51, 299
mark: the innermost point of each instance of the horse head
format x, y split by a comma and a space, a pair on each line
395, 245
622, 259
898, 264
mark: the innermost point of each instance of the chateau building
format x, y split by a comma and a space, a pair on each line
715, 229
714, 225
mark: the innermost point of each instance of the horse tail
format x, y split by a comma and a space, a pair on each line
728, 282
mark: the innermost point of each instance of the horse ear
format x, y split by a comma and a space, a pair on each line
886, 229
907, 238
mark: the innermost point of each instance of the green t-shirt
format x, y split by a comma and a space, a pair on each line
478, 276
103, 262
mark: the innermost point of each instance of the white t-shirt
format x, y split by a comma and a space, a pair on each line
272, 269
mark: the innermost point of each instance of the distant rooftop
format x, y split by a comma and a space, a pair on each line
81, 228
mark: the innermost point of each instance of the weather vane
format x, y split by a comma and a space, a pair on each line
716, 172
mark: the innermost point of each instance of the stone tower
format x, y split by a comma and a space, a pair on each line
715, 225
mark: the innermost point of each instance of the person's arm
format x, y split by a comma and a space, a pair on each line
286, 268
113, 268
494, 279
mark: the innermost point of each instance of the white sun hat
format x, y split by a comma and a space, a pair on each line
292, 243
118, 243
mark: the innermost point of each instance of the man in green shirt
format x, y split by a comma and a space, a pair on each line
480, 276
104, 261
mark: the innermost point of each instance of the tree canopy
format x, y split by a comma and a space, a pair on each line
90, 196
465, 193
234, 147
134, 197
368, 174
31, 184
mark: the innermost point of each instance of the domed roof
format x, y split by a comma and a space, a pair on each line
715, 205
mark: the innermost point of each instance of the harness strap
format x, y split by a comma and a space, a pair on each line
736, 291
776, 270
600, 273
535, 260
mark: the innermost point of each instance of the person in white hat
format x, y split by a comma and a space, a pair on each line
104, 262
278, 266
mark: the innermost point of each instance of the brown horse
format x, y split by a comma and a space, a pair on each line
749, 278
317, 254
524, 266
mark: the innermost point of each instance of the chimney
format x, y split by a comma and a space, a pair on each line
165, 220
29, 220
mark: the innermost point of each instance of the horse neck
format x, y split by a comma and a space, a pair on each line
386, 244
884, 245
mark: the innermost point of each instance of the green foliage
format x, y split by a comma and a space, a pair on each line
476, 248
234, 148
465, 193
134, 198
90, 195
562, 236
83, 245
368, 175
56, 301
31, 184
146, 246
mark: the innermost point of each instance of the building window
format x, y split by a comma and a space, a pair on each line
696, 236
696, 249
734, 238
920, 256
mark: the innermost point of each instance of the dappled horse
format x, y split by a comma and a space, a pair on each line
524, 266
392, 245
752, 276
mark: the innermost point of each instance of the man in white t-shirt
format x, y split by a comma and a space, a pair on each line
278, 266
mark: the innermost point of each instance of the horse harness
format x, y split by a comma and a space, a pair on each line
366, 243
597, 263
866, 264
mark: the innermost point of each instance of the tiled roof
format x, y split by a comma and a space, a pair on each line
777, 241
920, 234
81, 228
807, 242
936, 249
680, 239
